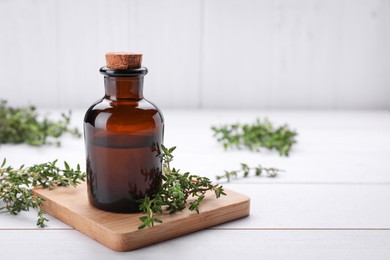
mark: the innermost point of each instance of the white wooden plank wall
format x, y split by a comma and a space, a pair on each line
201, 53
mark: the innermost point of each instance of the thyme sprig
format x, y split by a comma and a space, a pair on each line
23, 125
245, 171
16, 185
176, 189
260, 134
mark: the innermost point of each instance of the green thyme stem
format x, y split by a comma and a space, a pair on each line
260, 134
176, 189
246, 171
23, 125
16, 185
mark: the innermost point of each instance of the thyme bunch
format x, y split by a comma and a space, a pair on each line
245, 170
16, 185
176, 189
22, 125
260, 134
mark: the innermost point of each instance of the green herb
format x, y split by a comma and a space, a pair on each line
22, 125
255, 136
16, 184
246, 170
176, 189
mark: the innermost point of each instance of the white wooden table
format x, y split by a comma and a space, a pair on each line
333, 201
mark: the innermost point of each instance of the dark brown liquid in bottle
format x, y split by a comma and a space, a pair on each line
123, 134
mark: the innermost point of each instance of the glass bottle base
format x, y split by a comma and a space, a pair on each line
121, 206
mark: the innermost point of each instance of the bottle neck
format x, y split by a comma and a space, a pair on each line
124, 87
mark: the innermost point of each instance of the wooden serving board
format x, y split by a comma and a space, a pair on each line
120, 231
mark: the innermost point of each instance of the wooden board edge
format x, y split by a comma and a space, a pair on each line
141, 238
163, 232
84, 225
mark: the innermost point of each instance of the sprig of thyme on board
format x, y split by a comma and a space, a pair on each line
245, 171
260, 134
176, 189
22, 125
16, 185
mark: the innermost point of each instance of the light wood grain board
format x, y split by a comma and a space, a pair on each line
120, 231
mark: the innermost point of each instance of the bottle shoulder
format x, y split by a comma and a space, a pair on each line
104, 105
105, 113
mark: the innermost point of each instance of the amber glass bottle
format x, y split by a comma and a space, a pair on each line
123, 133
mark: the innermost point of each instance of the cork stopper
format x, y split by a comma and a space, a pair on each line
123, 60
